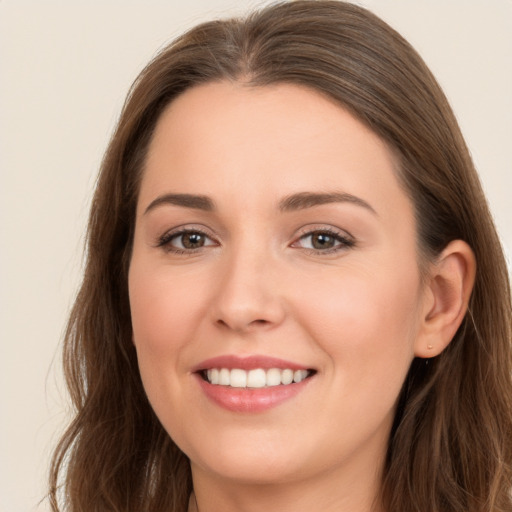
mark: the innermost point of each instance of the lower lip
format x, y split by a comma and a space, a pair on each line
251, 400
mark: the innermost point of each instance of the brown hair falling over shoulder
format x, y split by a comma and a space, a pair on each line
451, 445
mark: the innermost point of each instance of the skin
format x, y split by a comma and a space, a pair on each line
357, 314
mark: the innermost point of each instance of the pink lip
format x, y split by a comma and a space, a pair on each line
249, 400
247, 363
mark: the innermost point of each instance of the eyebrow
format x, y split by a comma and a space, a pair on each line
196, 202
304, 200
294, 202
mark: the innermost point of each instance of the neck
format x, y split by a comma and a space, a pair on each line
327, 493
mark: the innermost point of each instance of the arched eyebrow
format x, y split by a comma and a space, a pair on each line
294, 202
193, 201
303, 200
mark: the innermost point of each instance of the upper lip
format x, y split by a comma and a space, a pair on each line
247, 363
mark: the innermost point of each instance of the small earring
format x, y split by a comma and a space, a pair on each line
430, 347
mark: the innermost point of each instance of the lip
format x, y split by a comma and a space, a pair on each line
247, 363
249, 400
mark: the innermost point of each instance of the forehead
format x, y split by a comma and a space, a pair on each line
240, 141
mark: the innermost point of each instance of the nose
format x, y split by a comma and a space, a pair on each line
248, 294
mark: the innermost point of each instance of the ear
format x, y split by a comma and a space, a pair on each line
447, 293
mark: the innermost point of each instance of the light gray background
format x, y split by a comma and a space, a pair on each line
65, 67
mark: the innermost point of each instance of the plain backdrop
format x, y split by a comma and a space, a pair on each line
65, 67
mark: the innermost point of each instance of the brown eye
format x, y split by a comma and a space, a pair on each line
322, 241
185, 241
192, 240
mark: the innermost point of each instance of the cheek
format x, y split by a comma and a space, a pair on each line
367, 322
163, 309
166, 311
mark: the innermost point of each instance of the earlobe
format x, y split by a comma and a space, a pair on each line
449, 287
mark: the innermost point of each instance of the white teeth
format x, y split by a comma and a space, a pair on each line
224, 377
257, 378
273, 377
238, 378
287, 377
299, 375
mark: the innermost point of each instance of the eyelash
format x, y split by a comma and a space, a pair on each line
165, 241
344, 242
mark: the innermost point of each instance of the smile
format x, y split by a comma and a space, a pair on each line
256, 378
251, 384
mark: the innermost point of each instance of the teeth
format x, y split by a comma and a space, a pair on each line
238, 378
273, 377
287, 377
257, 378
214, 376
299, 375
224, 377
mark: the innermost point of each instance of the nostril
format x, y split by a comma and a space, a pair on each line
225, 325
242, 326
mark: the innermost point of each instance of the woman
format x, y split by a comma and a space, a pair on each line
294, 297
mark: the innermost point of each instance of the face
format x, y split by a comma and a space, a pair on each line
273, 242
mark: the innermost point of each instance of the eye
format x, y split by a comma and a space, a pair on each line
323, 241
187, 240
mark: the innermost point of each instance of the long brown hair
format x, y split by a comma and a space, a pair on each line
450, 448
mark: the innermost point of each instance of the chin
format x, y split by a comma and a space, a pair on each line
253, 471
258, 461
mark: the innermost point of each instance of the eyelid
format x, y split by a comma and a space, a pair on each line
164, 240
345, 239
324, 228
